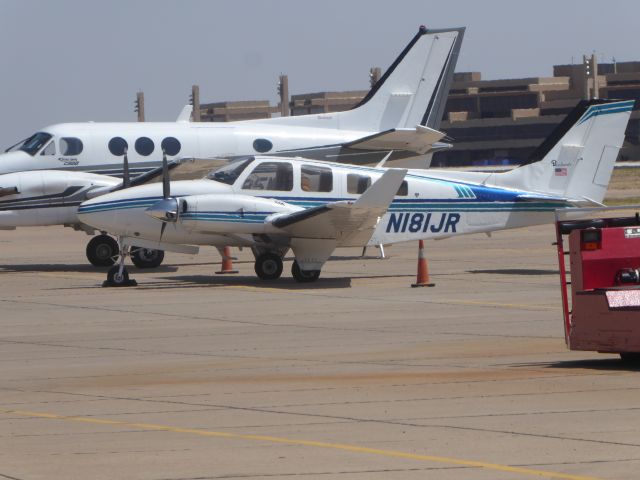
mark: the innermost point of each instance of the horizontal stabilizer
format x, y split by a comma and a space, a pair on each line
419, 140
346, 223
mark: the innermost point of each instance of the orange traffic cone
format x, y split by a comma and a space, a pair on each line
227, 263
422, 279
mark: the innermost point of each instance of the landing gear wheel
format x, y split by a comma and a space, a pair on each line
147, 257
102, 251
268, 266
304, 276
117, 279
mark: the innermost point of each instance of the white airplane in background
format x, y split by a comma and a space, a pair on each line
400, 114
272, 204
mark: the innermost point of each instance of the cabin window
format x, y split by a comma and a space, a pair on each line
70, 146
357, 183
262, 145
316, 179
144, 146
171, 146
403, 191
118, 146
49, 149
270, 176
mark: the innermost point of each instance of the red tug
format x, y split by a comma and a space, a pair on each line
604, 258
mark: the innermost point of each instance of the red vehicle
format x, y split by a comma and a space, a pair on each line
603, 312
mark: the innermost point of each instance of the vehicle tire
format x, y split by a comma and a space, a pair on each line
102, 251
268, 266
304, 276
147, 257
630, 357
115, 278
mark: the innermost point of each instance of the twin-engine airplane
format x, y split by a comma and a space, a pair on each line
273, 204
401, 114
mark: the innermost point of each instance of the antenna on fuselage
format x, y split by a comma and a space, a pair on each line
384, 160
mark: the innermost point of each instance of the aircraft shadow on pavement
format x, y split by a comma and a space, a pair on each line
199, 281
80, 268
604, 363
518, 271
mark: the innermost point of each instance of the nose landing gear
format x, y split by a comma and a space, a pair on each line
118, 276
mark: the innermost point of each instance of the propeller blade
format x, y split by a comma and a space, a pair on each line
126, 177
164, 225
166, 181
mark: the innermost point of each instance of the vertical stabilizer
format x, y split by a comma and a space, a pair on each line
577, 159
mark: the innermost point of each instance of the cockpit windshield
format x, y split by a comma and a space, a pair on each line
31, 145
230, 172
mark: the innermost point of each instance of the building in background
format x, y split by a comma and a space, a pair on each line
490, 122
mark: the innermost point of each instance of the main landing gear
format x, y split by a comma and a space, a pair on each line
268, 266
103, 251
304, 276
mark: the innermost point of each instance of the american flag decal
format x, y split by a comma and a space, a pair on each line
561, 172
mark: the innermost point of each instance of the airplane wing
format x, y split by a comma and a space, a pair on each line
419, 140
345, 223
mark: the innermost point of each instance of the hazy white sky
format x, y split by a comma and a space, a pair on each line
78, 60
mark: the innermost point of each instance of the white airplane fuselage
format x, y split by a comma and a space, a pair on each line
197, 140
432, 204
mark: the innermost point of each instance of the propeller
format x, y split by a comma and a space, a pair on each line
126, 177
166, 210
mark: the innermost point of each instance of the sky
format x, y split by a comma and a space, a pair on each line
82, 60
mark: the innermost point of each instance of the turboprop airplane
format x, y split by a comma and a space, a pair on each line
401, 113
272, 204
52, 197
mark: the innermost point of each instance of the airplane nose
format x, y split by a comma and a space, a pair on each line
17, 161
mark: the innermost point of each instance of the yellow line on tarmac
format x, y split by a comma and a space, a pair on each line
306, 443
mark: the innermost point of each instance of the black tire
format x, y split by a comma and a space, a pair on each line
114, 277
102, 251
304, 276
147, 257
632, 358
268, 266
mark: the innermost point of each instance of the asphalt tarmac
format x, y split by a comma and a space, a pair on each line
193, 375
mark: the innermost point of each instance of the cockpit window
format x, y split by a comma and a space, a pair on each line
70, 146
50, 149
230, 172
32, 144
